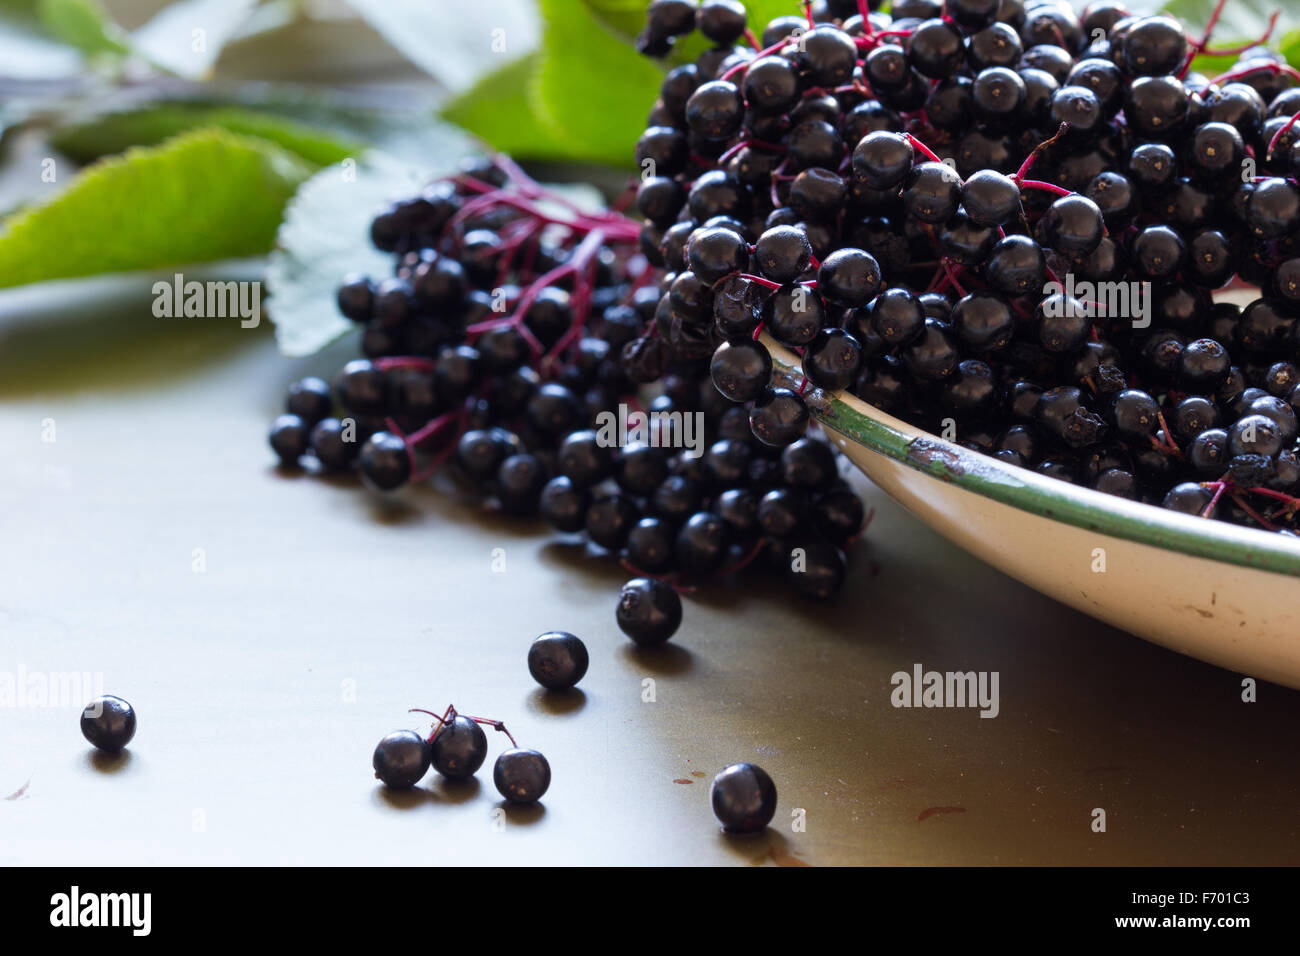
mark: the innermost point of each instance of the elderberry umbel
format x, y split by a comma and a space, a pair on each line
517, 327
1004, 221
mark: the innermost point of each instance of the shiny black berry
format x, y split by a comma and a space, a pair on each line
108, 722
649, 611
743, 797
458, 748
522, 776
401, 759
557, 660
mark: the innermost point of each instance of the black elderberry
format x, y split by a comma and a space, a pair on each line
932, 192
771, 84
385, 461
743, 798
783, 253
290, 438
1208, 453
1189, 498
741, 369
609, 519
521, 776
1072, 225
458, 748
983, 321
649, 611
990, 198
1158, 252
109, 723
722, 21
832, 359
793, 314
817, 194
883, 159
935, 49
828, 55
650, 545
335, 444
779, 416
557, 660
715, 110
998, 96
849, 277
1062, 323
896, 316
701, 545
563, 504
1154, 46
401, 759
356, 298
1254, 435
1157, 106
1016, 266
716, 253
933, 355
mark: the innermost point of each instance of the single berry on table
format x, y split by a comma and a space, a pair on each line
109, 723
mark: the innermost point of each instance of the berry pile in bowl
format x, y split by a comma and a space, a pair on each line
1040, 277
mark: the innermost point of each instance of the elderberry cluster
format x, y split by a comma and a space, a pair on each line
516, 345
456, 749
1000, 220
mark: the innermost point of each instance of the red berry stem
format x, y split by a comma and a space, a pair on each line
751, 143
1037, 151
759, 280
441, 457
1045, 187
494, 724
924, 150
391, 362
777, 47
1245, 506
1268, 153
1213, 22
1243, 72
745, 561
952, 276
432, 428
1219, 487
447, 715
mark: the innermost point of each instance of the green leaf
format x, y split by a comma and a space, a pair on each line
592, 89
114, 132
624, 16
1241, 22
496, 110
203, 196
26, 50
326, 235
84, 24
1289, 46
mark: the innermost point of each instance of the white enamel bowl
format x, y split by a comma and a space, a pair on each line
1218, 592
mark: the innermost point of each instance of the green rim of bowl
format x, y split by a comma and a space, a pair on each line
1047, 497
